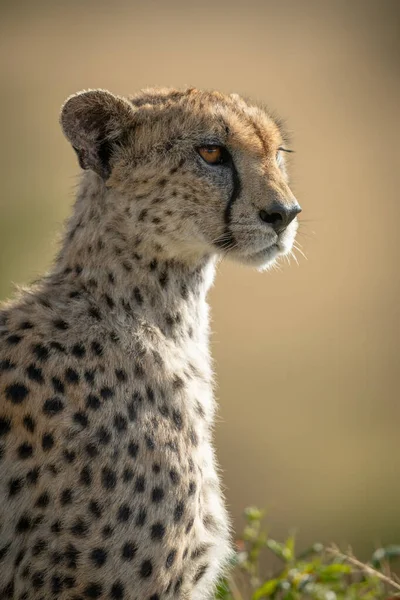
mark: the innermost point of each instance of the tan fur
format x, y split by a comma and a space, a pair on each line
106, 399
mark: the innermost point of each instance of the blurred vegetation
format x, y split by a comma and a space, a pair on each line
318, 573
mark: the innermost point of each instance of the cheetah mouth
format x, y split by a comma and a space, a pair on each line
259, 258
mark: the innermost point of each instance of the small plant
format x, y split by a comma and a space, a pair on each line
319, 573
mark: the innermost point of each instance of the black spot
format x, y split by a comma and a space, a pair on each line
155, 597
146, 569
58, 385
53, 406
108, 478
178, 512
59, 347
66, 497
127, 475
26, 325
177, 417
97, 348
150, 394
117, 591
107, 531
25, 451
139, 371
78, 350
192, 488
140, 484
53, 469
106, 393
163, 279
89, 376
156, 468
7, 365
56, 527
38, 580
79, 528
153, 265
103, 435
5, 425
164, 410
94, 313
129, 551
80, 418
178, 585
24, 524
109, 300
71, 556
85, 476
133, 449
29, 423
174, 476
92, 402
57, 584
193, 438
124, 512
98, 556
91, 450
69, 455
95, 509
41, 352
35, 373
189, 526
132, 412
120, 423
199, 573
93, 590
170, 559
15, 486
32, 476
13, 340
39, 547
178, 383
16, 393
121, 374
4, 550
157, 531
47, 441
138, 295
71, 375
43, 500
60, 324
141, 517
150, 442
8, 591
74, 294
157, 494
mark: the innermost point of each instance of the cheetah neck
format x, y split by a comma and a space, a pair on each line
130, 278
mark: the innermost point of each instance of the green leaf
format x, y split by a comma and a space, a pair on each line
266, 590
279, 549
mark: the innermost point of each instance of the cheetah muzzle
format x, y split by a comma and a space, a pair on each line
108, 480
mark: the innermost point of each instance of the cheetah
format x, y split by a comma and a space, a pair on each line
109, 485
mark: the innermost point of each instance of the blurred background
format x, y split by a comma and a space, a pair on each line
307, 358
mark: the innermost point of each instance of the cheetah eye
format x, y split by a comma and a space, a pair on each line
279, 155
213, 155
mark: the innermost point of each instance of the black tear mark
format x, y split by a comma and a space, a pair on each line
227, 240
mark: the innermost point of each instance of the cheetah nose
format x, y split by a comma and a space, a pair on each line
279, 216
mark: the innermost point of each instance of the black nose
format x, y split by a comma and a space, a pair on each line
279, 216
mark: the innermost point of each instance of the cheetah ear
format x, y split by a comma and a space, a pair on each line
94, 121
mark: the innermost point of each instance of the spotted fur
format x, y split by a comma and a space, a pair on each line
109, 487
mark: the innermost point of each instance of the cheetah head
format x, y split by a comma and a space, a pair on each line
198, 173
